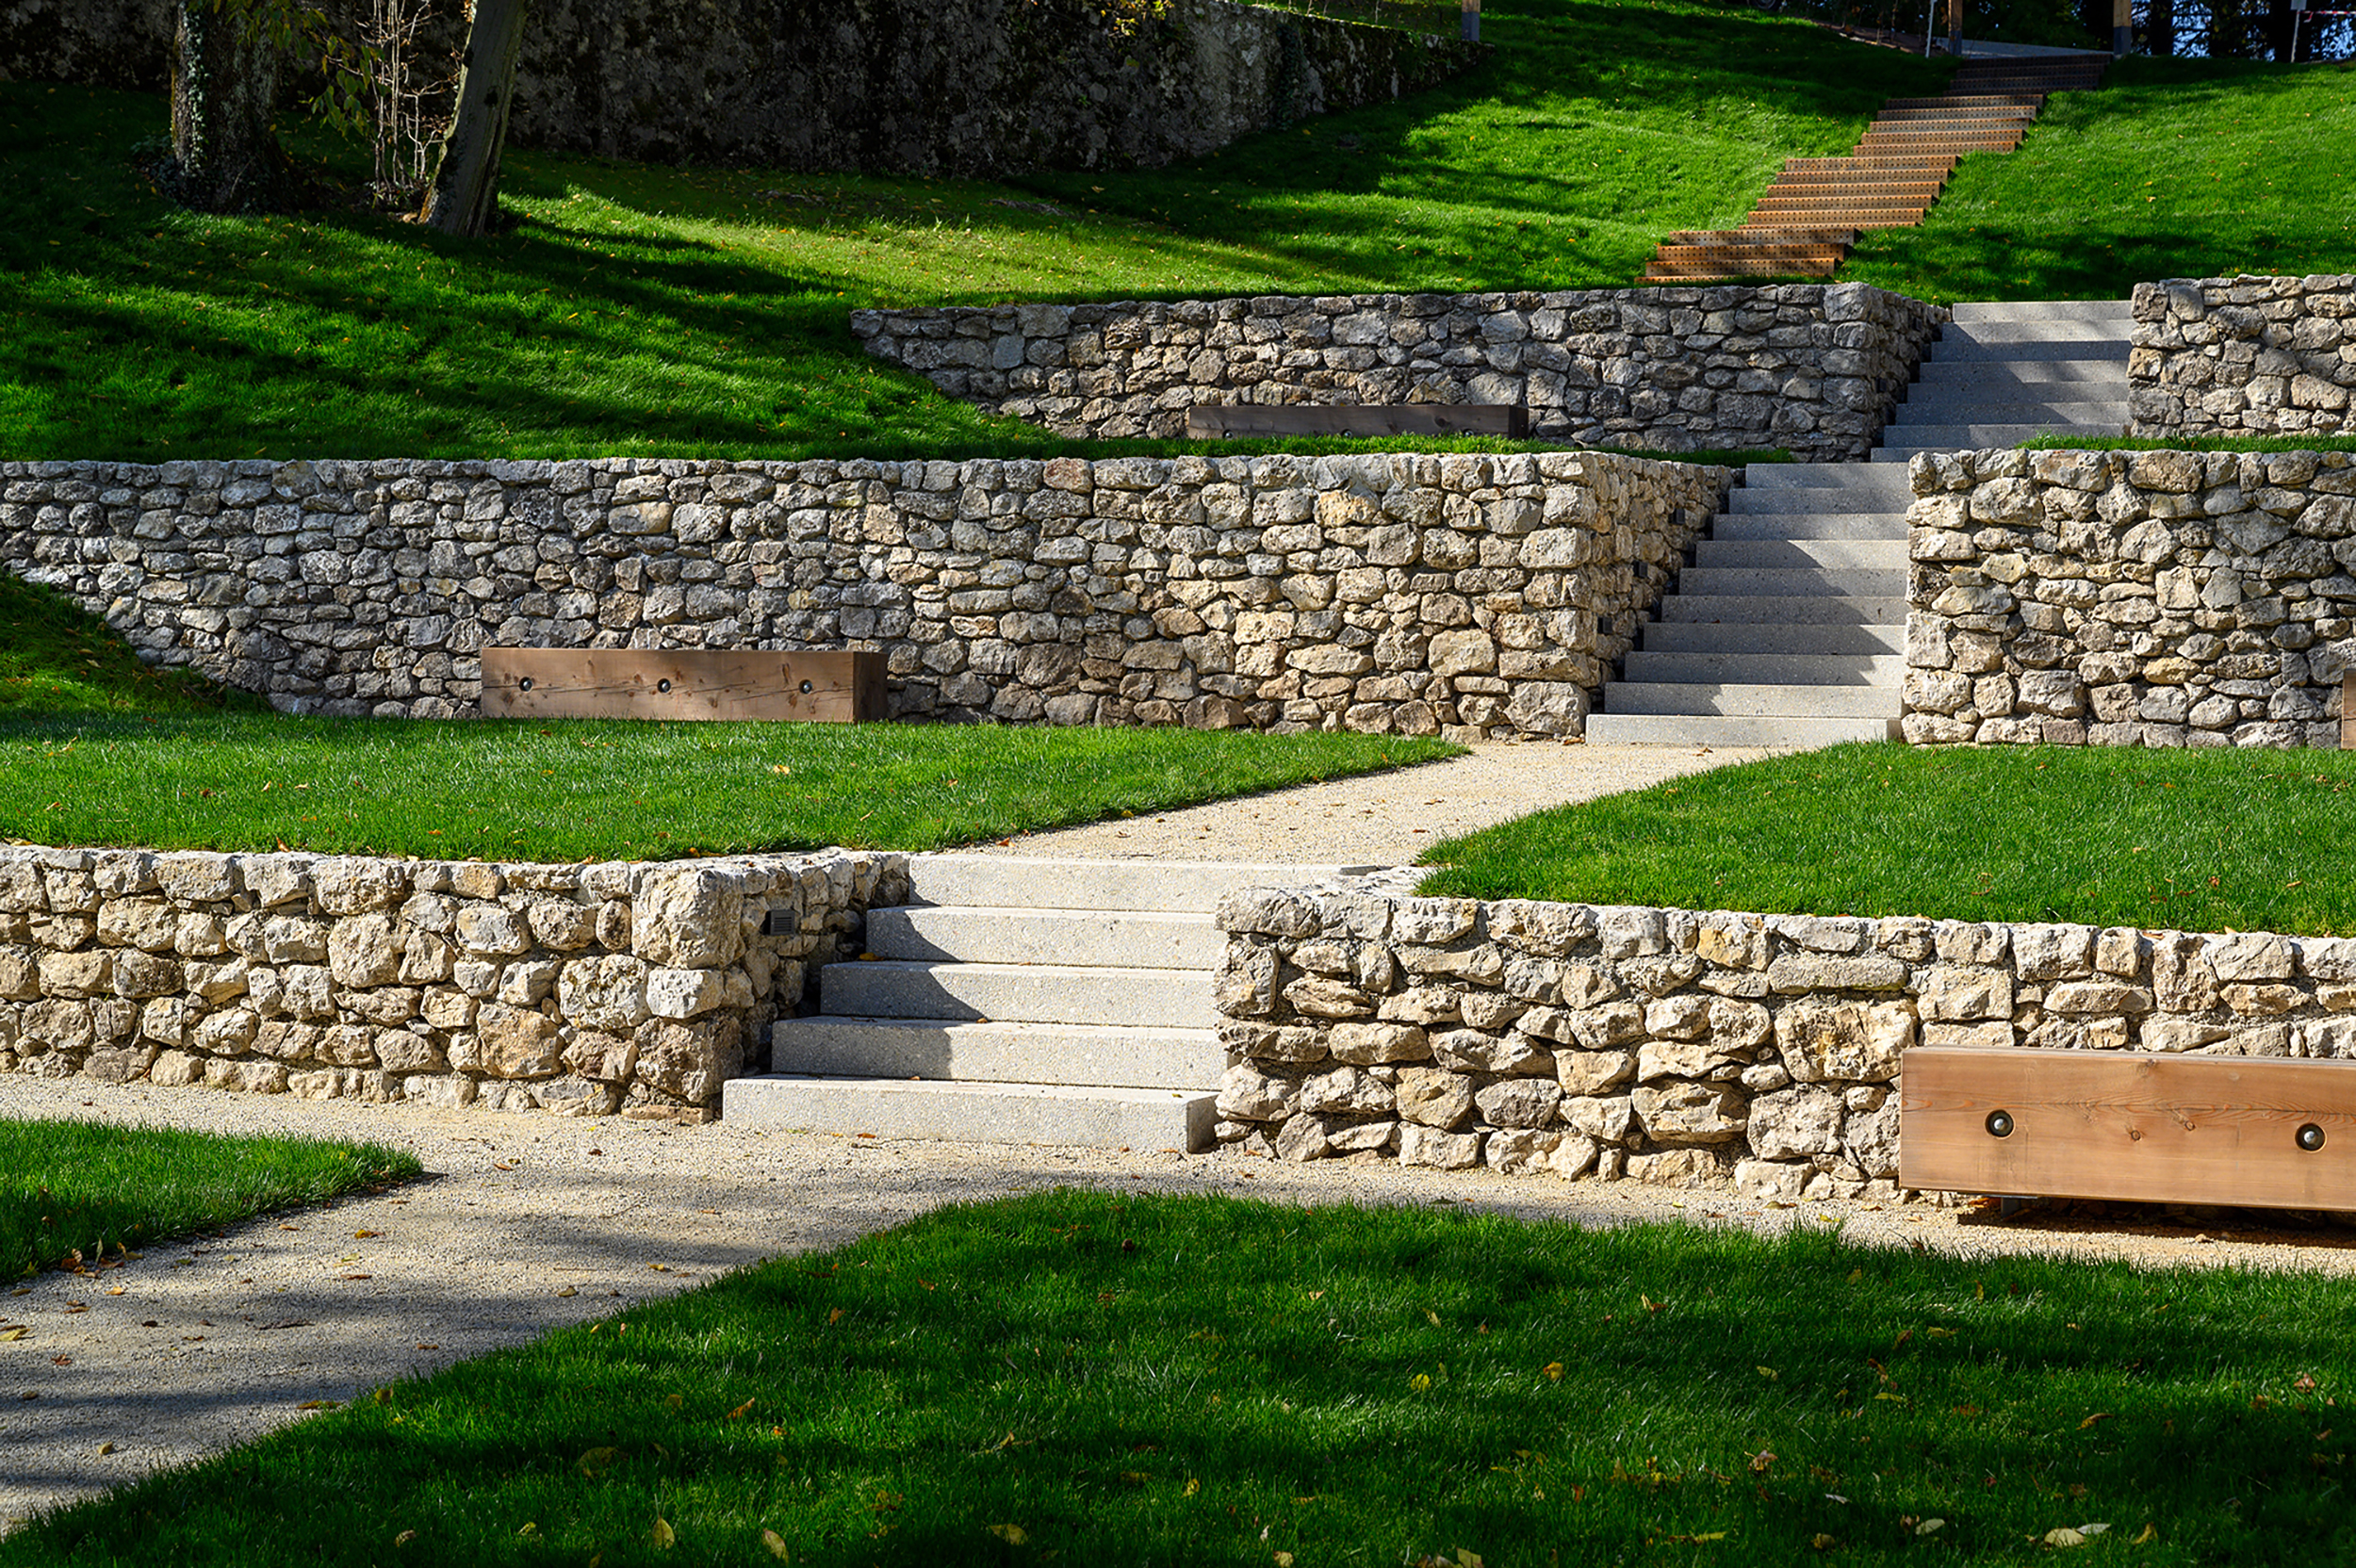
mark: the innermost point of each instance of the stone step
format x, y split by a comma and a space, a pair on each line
1898, 446
1055, 1114
1955, 349
1786, 609
1716, 553
1759, 637
1944, 406
1750, 701
2105, 379
1780, 669
1009, 993
1015, 882
997, 1051
970, 933
2030, 337
1808, 525
1721, 582
1765, 478
1697, 729
1973, 311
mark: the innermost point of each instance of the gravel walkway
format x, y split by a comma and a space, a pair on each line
528, 1222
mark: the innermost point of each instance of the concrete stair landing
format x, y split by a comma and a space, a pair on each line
1019, 1001
1789, 628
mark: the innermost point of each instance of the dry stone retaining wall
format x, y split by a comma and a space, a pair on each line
2159, 599
1816, 367
583, 989
964, 87
1690, 1049
2244, 355
1482, 597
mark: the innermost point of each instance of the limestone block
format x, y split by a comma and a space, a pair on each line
1367, 1044
681, 993
1608, 1118
1247, 1094
1676, 1167
517, 1043
1481, 1050
608, 993
1346, 1091
1800, 1123
1822, 1039
1429, 1097
1586, 1073
1429, 1146
1302, 1138
1518, 1102
490, 930
1691, 1113
686, 918
690, 1060
1519, 1152
355, 884
363, 951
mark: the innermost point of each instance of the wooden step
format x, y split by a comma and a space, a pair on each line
1894, 163
1968, 101
1783, 253
1765, 234
1952, 111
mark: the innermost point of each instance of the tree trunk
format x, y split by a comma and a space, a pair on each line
224, 89
2160, 30
466, 197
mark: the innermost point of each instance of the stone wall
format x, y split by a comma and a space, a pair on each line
1816, 367
1690, 1049
583, 989
1479, 595
2243, 356
2122, 599
960, 87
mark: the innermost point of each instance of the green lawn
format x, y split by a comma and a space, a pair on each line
2189, 840
2174, 169
1075, 1378
58, 657
703, 313
565, 790
77, 1190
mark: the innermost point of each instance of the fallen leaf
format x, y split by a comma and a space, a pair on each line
833, 1317
1193, 1486
1421, 1382
320, 1404
1553, 1370
405, 1538
740, 1412
530, 1529
1760, 1460
568, 1290
1013, 1535
662, 1536
1768, 1372
2097, 1416
596, 1462
105, 1448
2148, 1533
1940, 1333
1930, 1526
1467, 1557
1284, 1559
10, 1336
1433, 1315
1823, 1542
366, 1235
674, 1402
2093, 1530
775, 1544
1651, 1305
2065, 1537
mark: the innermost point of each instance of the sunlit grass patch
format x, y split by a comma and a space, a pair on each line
90, 1190
566, 790
2189, 841
1080, 1378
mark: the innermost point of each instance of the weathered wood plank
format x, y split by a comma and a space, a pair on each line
829, 686
2162, 1128
1216, 421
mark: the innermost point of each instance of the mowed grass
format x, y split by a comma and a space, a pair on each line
1073, 1377
703, 313
2174, 169
58, 657
569, 789
74, 1191
2187, 841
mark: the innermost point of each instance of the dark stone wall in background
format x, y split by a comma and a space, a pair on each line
930, 87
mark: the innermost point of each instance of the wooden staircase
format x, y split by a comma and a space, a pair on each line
1810, 216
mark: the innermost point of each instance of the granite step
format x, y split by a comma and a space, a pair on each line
1064, 1115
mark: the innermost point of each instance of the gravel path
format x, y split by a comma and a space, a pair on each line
526, 1222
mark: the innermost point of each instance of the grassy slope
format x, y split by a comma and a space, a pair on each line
1076, 1378
2175, 169
78, 1189
2191, 840
703, 313
564, 789
58, 657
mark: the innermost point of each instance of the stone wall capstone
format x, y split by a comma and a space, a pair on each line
1815, 368
2158, 598
957, 87
2243, 356
1475, 596
1692, 1048
592, 989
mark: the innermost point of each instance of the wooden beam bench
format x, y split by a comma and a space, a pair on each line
1230, 422
823, 686
2249, 1131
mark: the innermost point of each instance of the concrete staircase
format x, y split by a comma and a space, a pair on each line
1019, 1001
1788, 630
1813, 211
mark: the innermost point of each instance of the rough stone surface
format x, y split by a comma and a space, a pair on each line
1789, 1096
2243, 356
581, 1029
970, 86
2157, 599
1815, 368
1466, 595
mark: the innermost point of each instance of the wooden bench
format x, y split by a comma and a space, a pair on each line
2252, 1132
1228, 422
820, 686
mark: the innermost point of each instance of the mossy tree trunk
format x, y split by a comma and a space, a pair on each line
225, 91
465, 198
